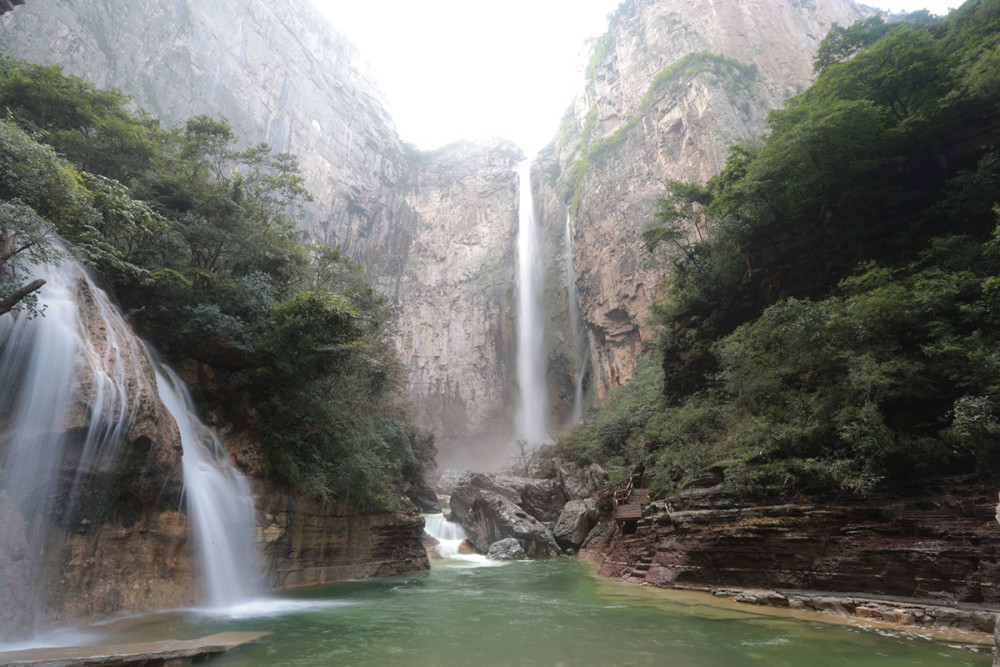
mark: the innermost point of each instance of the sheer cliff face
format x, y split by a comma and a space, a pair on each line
671, 85
432, 231
454, 294
275, 70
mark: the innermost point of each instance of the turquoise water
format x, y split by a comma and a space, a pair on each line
540, 613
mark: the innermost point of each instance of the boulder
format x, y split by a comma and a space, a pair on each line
580, 481
506, 549
575, 522
495, 517
541, 498
543, 468
577, 481
449, 480
467, 488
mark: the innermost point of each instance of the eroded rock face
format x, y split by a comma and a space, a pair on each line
275, 70
626, 137
93, 529
495, 517
308, 543
434, 231
936, 542
578, 482
453, 288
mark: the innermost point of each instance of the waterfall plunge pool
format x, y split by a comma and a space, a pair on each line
530, 613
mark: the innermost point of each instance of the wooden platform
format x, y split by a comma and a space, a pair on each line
631, 509
170, 653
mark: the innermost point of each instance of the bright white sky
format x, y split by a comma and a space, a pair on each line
470, 69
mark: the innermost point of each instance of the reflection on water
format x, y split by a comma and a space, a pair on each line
524, 613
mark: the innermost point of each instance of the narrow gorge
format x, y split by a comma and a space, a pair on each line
730, 332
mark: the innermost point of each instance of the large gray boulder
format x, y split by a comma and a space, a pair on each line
506, 549
575, 522
494, 517
541, 498
577, 481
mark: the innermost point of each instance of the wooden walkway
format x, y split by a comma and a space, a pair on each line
171, 653
626, 501
630, 509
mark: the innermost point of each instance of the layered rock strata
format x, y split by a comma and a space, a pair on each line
670, 86
308, 543
939, 544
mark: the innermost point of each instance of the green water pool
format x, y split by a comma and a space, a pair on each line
536, 613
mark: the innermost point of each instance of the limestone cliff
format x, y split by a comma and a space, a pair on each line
454, 327
670, 86
275, 70
432, 231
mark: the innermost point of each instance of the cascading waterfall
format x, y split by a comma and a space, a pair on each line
449, 534
532, 415
69, 387
219, 502
576, 325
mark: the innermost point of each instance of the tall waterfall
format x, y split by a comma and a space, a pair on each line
219, 502
533, 410
70, 384
576, 325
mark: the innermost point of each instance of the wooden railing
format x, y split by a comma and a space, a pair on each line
620, 491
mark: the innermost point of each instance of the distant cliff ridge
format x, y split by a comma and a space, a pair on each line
281, 75
669, 87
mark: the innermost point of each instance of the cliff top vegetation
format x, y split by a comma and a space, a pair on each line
836, 331
197, 237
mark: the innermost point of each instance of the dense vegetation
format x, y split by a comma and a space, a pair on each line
197, 237
837, 328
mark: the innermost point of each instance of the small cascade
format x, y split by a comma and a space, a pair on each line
533, 409
219, 501
578, 331
449, 534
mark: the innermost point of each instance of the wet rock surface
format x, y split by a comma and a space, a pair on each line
308, 542
509, 548
575, 522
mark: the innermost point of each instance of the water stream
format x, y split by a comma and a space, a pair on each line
219, 502
532, 422
577, 330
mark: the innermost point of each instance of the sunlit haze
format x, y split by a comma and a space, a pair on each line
456, 69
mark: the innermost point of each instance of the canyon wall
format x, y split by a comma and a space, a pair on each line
670, 86
454, 293
433, 231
